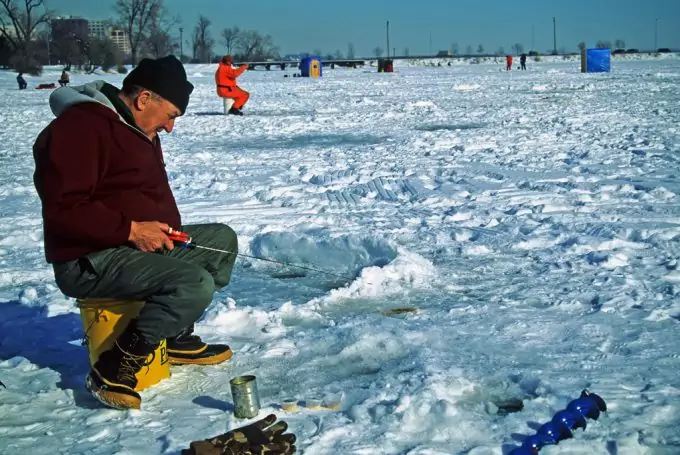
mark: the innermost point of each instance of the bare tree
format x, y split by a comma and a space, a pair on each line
480, 49
230, 37
407, 52
620, 44
468, 49
104, 53
378, 51
350, 51
43, 38
19, 24
136, 17
5, 52
501, 51
202, 42
160, 42
518, 48
338, 55
603, 44
253, 46
581, 46
69, 51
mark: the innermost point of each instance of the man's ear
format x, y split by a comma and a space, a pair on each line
142, 100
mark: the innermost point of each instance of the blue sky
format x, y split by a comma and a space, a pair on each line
328, 25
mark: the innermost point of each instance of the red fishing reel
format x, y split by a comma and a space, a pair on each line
182, 238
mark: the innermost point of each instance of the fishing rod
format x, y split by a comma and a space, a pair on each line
184, 240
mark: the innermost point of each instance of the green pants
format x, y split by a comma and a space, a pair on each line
177, 285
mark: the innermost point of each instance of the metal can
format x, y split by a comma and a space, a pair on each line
246, 397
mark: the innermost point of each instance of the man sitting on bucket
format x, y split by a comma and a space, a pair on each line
107, 210
225, 78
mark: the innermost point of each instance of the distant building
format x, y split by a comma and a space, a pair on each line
83, 29
106, 30
444, 54
69, 28
99, 29
121, 39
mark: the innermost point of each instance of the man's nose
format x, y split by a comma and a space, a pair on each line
169, 125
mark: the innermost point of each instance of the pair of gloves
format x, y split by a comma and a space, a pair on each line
259, 438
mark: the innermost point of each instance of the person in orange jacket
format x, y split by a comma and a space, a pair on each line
508, 63
225, 78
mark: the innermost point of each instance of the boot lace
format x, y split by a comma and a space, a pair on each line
130, 365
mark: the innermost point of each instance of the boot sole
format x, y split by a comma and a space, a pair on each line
110, 398
212, 360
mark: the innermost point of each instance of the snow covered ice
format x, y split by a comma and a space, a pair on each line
531, 219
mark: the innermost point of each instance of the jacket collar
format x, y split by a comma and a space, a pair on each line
112, 95
95, 92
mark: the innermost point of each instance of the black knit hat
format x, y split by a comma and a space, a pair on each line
164, 76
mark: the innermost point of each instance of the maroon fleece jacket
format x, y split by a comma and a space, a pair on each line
95, 174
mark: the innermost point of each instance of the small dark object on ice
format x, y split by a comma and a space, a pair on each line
509, 405
399, 311
288, 275
3, 384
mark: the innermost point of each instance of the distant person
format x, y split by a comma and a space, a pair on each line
523, 62
508, 63
21, 81
65, 79
225, 79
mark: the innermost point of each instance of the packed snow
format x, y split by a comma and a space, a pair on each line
479, 235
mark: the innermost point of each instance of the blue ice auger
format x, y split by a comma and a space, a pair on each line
587, 406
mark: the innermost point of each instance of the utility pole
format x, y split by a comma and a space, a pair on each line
533, 48
554, 37
48, 36
181, 47
656, 34
430, 43
388, 39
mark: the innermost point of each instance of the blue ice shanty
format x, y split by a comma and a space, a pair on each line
596, 61
311, 67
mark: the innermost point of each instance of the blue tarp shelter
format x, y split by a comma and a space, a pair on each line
596, 61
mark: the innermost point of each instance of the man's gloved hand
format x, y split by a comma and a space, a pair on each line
258, 438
